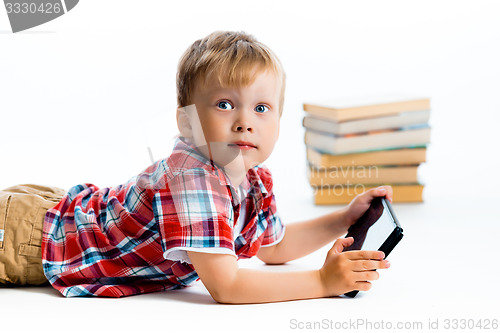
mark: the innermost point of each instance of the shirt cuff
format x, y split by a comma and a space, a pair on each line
278, 240
180, 254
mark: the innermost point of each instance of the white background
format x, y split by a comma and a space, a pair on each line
83, 96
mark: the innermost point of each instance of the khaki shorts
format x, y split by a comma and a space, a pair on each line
22, 211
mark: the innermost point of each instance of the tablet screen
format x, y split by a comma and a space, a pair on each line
379, 231
373, 228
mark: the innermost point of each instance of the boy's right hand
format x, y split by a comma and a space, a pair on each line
352, 270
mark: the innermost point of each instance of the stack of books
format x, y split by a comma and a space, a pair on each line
353, 146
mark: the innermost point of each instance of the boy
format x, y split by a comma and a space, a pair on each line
195, 213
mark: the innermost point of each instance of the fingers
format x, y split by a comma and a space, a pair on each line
383, 191
362, 286
363, 281
369, 265
367, 276
366, 255
340, 244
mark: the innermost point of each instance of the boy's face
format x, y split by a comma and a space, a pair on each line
240, 124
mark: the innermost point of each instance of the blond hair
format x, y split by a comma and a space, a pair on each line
229, 57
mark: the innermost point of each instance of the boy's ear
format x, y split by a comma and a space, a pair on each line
183, 123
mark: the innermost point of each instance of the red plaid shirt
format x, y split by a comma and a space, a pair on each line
120, 241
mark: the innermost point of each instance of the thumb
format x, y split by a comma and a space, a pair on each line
340, 244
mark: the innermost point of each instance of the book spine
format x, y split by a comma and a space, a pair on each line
362, 143
344, 194
404, 156
369, 174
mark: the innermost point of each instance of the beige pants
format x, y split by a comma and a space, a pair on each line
22, 211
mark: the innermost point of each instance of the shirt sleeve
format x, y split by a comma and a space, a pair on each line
275, 230
194, 213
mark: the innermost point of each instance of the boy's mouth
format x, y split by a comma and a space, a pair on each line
243, 145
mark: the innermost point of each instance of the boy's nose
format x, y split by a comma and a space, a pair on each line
242, 123
243, 128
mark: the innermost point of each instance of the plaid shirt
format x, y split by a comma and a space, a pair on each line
114, 241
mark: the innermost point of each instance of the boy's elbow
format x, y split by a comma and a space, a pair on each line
270, 256
218, 272
221, 298
223, 291
232, 290
219, 295
273, 261
223, 295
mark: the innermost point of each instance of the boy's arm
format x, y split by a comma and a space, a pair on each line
227, 283
303, 238
342, 272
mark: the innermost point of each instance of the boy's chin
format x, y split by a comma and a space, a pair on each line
220, 153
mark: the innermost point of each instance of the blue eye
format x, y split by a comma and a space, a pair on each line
261, 108
224, 105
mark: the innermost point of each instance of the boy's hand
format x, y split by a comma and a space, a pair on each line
352, 270
361, 203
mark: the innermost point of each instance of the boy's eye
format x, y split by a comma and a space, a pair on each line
261, 108
224, 105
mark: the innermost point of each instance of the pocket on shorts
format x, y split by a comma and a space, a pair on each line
4, 211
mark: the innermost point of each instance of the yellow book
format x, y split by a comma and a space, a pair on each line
371, 174
405, 156
336, 195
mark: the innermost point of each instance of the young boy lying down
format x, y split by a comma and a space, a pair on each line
193, 214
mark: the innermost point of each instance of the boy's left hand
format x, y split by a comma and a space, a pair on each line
361, 202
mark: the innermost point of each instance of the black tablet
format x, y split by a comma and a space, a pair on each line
377, 230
